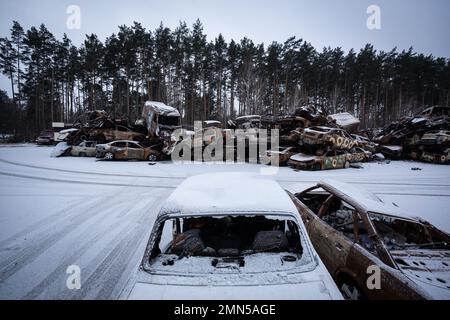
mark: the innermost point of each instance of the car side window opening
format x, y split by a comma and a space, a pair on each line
344, 218
402, 234
229, 236
120, 144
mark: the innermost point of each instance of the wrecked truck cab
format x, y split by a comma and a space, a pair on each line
353, 230
161, 120
230, 235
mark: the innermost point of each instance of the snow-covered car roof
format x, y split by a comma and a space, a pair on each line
163, 108
365, 199
228, 193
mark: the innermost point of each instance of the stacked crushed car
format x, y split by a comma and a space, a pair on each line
424, 137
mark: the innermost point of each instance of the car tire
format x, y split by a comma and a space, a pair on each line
82, 154
152, 157
109, 156
316, 167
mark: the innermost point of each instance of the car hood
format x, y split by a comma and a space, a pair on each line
428, 269
310, 290
302, 157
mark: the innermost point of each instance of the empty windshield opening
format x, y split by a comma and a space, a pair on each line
168, 120
228, 236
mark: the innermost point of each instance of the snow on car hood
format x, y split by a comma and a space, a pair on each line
314, 285
428, 269
302, 157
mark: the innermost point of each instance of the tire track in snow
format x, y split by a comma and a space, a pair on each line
46, 238
91, 172
111, 184
89, 238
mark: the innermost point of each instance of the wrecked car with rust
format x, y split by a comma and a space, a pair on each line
437, 158
281, 155
84, 149
324, 137
332, 159
358, 154
46, 137
436, 137
224, 246
353, 231
127, 150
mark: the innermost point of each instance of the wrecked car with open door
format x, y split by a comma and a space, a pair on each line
354, 231
230, 236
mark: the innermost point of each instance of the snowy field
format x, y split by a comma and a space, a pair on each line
57, 212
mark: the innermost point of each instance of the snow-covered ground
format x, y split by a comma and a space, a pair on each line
57, 212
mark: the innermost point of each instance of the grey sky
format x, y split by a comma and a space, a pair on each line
337, 23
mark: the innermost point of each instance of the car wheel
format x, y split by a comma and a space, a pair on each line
347, 165
152, 157
109, 156
82, 154
351, 292
316, 167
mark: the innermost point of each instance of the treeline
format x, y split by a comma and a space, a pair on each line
53, 80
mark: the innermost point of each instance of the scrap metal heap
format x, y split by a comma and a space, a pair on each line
424, 137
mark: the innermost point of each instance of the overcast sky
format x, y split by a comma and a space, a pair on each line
425, 25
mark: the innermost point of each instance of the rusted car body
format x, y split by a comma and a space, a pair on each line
327, 137
84, 149
358, 154
438, 158
353, 231
391, 152
118, 133
126, 150
333, 159
281, 155
46, 137
436, 137
365, 143
346, 121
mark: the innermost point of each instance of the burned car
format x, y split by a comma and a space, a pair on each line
438, 158
324, 137
281, 155
230, 236
391, 152
436, 137
332, 159
358, 154
84, 149
126, 150
353, 231
46, 137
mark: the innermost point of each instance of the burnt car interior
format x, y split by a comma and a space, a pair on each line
396, 233
228, 239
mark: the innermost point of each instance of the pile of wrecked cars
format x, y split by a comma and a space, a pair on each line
97, 134
312, 141
424, 137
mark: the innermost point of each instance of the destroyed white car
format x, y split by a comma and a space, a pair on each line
230, 236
